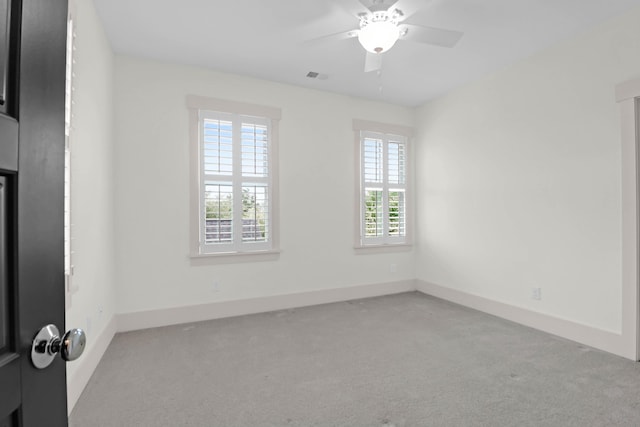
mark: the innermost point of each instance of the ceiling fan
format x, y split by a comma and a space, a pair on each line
382, 23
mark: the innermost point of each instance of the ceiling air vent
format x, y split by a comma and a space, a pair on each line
316, 75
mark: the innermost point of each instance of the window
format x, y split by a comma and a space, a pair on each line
70, 288
236, 177
383, 180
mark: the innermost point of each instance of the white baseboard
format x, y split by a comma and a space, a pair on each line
597, 338
86, 365
604, 340
177, 315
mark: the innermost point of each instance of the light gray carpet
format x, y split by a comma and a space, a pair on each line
400, 360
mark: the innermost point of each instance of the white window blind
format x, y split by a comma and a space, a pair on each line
383, 204
236, 185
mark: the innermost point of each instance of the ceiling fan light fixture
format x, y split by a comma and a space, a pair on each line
378, 36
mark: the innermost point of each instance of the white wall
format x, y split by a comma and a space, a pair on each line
316, 191
93, 305
519, 180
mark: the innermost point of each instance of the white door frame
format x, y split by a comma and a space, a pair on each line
628, 97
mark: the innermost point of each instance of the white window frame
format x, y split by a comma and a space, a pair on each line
201, 108
385, 132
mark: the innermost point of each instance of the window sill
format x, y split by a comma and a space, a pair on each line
233, 257
377, 249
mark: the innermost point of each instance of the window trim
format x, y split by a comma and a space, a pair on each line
196, 104
364, 126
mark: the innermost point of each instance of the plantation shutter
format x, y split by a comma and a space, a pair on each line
384, 187
69, 102
235, 182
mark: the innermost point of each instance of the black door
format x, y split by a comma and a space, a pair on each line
32, 86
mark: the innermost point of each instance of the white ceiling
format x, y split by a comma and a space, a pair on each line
271, 39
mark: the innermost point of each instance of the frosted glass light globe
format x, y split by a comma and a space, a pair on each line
378, 36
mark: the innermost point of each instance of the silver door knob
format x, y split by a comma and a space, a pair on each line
48, 343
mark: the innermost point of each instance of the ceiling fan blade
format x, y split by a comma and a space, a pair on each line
343, 35
372, 62
430, 35
409, 7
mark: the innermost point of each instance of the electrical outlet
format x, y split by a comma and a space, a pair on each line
536, 294
216, 286
393, 268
